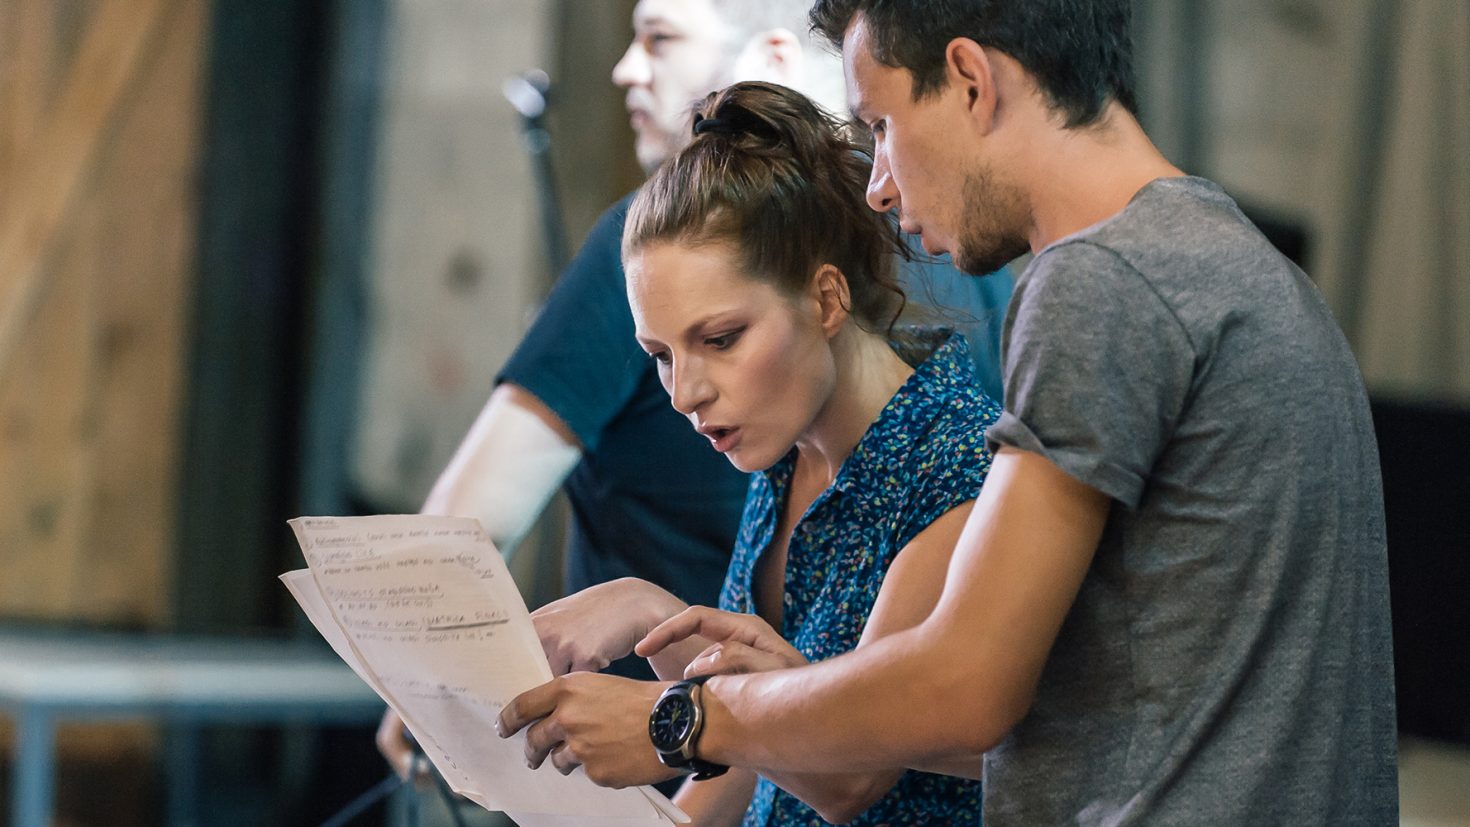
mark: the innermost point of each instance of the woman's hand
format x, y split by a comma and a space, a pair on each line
743, 642
586, 631
734, 658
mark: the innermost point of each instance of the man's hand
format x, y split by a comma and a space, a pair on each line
394, 747
744, 642
586, 631
591, 720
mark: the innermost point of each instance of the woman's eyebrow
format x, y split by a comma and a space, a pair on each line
715, 319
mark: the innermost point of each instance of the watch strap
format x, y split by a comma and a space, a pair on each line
684, 758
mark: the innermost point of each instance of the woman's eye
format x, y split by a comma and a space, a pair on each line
724, 340
662, 357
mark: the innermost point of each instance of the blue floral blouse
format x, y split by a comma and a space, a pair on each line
923, 456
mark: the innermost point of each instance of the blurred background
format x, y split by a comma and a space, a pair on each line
262, 258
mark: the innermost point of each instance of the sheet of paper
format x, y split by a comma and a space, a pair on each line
303, 587
425, 611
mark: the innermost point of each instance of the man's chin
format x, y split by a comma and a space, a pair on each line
931, 249
981, 260
649, 161
652, 150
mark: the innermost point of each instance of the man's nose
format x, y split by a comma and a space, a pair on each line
632, 69
882, 194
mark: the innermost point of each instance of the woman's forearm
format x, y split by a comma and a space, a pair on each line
837, 798
717, 802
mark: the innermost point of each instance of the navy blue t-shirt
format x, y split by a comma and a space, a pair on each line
650, 498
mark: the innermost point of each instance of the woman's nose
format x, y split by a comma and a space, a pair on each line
690, 389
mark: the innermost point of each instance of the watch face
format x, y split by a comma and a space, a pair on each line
669, 725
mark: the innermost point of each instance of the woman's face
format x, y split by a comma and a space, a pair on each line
748, 365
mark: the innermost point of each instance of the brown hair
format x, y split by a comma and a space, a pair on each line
780, 180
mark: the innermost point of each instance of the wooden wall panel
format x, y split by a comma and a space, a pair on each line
144, 293
26, 38
96, 248
43, 466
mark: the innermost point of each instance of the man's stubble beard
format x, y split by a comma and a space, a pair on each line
993, 227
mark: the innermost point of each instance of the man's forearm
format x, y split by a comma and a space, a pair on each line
901, 701
507, 468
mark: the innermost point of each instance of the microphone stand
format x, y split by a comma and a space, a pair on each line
529, 93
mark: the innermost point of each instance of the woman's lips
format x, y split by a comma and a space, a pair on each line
724, 439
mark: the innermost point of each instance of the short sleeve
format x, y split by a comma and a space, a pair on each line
580, 357
1097, 369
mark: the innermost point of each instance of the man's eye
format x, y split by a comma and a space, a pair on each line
879, 127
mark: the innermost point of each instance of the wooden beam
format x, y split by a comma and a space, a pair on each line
60, 154
25, 54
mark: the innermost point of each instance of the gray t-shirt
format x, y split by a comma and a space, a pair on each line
1228, 659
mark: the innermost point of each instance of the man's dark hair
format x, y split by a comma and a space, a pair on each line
1079, 51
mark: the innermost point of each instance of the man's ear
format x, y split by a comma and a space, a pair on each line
773, 55
972, 69
833, 297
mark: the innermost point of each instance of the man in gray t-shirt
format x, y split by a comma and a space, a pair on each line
1231, 636
1169, 604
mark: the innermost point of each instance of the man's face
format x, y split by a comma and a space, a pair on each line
681, 51
930, 165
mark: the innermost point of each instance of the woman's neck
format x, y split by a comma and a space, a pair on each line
869, 373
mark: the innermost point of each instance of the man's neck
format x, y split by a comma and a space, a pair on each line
1081, 177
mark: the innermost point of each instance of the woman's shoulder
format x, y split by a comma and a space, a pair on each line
954, 442
949, 394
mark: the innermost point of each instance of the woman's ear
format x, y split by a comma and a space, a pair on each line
833, 297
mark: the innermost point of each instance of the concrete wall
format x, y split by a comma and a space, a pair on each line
1352, 117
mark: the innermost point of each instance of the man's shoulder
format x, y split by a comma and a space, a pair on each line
608, 228
598, 263
1181, 246
1172, 228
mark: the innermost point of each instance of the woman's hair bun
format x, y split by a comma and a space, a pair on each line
774, 175
732, 119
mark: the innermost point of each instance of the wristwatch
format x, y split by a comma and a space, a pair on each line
674, 727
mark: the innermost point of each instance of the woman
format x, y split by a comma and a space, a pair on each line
763, 286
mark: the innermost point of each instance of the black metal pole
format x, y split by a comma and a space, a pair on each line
530, 93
